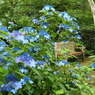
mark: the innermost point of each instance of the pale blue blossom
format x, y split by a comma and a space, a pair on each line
62, 63
64, 26
1, 48
44, 25
23, 70
22, 81
4, 29
48, 8
13, 91
64, 15
92, 65
17, 85
28, 29
35, 21
44, 34
43, 18
78, 36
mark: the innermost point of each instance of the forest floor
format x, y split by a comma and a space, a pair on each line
86, 61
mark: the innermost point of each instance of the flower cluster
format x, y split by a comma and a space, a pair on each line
27, 60
13, 84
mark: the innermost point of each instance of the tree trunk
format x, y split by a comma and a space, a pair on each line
92, 6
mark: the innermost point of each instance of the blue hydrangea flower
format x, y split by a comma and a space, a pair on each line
74, 75
49, 13
73, 18
28, 30
1, 48
93, 65
5, 87
35, 21
30, 63
22, 39
28, 79
75, 24
13, 91
64, 26
26, 59
22, 81
43, 18
45, 34
65, 41
78, 36
89, 77
2, 43
4, 29
19, 36
64, 15
71, 29
42, 32
75, 31
16, 49
77, 65
6, 65
23, 70
22, 58
46, 56
17, 85
62, 63
15, 33
6, 53
30, 49
48, 8
61, 14
2, 60
11, 77
11, 87
33, 39
36, 49
55, 72
12, 23
39, 62
44, 25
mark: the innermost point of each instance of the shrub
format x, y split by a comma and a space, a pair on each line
28, 64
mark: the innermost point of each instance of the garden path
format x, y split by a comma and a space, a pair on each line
86, 61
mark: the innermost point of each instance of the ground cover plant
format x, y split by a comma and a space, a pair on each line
27, 61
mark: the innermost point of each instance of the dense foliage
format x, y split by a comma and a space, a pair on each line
21, 11
27, 61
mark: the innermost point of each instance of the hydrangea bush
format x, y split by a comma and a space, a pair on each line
27, 59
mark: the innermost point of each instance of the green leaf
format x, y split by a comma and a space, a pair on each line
3, 32
58, 92
20, 51
1, 93
20, 74
50, 78
3, 71
36, 71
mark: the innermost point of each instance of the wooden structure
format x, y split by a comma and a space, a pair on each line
70, 50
